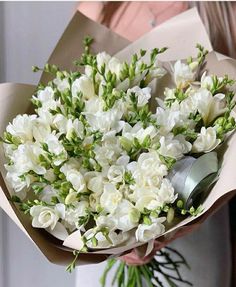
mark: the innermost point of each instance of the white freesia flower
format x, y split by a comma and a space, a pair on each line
149, 201
209, 106
206, 141
137, 131
156, 72
166, 193
8, 149
147, 173
170, 118
150, 161
26, 158
110, 198
41, 130
188, 106
110, 150
74, 127
73, 213
50, 175
106, 221
183, 74
169, 94
18, 184
143, 95
123, 160
103, 241
94, 105
62, 84
84, 85
56, 148
115, 66
47, 217
102, 58
47, 194
60, 123
48, 102
144, 233
94, 201
22, 127
72, 163
126, 216
115, 173
174, 147
75, 178
105, 121
46, 95
95, 181
207, 81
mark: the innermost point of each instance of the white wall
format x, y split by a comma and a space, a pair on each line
28, 33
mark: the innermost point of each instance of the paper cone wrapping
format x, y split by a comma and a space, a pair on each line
177, 34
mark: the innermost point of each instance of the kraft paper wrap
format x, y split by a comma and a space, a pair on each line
180, 34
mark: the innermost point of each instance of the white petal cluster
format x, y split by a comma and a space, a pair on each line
95, 158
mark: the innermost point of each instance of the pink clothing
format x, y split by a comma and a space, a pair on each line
134, 19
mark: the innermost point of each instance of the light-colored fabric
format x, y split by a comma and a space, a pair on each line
133, 19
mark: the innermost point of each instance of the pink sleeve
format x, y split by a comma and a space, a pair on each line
91, 9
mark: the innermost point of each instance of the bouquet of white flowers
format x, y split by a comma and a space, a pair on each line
102, 167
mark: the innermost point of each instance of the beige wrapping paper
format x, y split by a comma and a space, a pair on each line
177, 34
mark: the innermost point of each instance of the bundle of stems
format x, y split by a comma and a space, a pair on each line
162, 271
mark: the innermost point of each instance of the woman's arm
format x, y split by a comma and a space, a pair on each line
92, 10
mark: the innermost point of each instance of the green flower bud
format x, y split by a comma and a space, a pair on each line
35, 69
134, 215
71, 197
147, 220
170, 215
180, 203
220, 121
154, 214
125, 143
94, 241
193, 65
220, 130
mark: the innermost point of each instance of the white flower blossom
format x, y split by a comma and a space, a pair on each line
75, 178
84, 85
209, 106
115, 173
105, 121
110, 198
206, 141
102, 58
183, 74
143, 95
144, 232
56, 148
126, 216
73, 213
174, 147
26, 158
137, 131
22, 127
62, 84
47, 217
